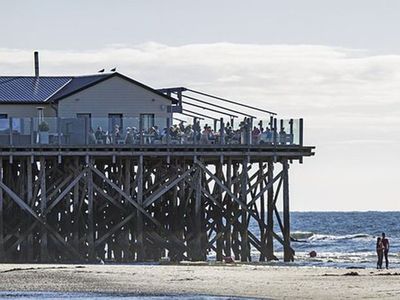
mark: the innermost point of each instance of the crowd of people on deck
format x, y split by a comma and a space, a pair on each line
191, 134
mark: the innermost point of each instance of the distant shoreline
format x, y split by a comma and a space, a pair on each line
241, 280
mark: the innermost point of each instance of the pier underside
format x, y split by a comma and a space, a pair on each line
125, 204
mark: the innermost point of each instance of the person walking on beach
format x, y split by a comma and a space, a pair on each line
379, 252
385, 243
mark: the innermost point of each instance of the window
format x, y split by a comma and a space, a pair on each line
147, 121
114, 119
4, 123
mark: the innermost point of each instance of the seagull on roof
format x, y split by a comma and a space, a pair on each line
101, 71
113, 69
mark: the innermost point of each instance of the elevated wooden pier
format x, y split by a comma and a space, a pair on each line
128, 203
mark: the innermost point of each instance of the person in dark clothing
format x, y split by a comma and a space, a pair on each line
385, 243
379, 252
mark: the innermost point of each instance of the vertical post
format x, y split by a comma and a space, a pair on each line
198, 249
301, 132
86, 131
59, 131
32, 132
287, 251
76, 205
275, 131
215, 125
43, 207
139, 225
127, 190
195, 133
10, 125
168, 131
244, 246
1, 214
270, 212
222, 132
91, 232
218, 217
263, 232
141, 137
29, 188
228, 208
250, 131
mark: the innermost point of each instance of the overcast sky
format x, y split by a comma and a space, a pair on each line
335, 63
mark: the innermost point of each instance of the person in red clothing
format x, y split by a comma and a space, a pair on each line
385, 243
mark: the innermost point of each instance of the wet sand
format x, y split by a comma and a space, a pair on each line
248, 280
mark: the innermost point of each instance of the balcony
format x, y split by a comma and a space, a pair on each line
27, 132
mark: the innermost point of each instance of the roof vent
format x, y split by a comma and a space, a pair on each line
36, 57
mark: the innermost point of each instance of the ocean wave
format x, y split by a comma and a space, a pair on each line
319, 237
301, 235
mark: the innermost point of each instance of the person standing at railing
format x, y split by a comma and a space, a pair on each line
129, 138
197, 130
255, 135
282, 136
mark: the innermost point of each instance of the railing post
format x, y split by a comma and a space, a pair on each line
301, 131
275, 125
59, 131
222, 132
291, 131
32, 132
141, 138
250, 131
86, 131
195, 133
168, 131
10, 125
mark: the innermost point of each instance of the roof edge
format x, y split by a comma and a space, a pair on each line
115, 74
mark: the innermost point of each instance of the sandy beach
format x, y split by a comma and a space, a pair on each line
247, 280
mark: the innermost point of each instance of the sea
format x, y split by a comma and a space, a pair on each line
340, 239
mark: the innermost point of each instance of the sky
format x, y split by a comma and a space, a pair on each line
334, 63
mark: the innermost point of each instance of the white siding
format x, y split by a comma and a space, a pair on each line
115, 95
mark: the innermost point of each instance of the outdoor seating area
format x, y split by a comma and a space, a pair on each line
133, 131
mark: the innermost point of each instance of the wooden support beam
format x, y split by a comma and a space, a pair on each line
139, 217
287, 251
270, 214
91, 225
44, 255
244, 242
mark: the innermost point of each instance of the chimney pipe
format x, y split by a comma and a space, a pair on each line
36, 57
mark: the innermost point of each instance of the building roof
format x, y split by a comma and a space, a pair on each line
45, 89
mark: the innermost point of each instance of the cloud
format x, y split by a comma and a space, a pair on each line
325, 84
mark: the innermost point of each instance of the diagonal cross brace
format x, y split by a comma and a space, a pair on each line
157, 194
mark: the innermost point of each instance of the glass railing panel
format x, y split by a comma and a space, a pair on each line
22, 131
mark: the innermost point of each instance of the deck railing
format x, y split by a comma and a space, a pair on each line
25, 132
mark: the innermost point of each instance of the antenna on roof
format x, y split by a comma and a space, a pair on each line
36, 59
